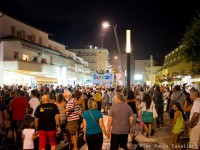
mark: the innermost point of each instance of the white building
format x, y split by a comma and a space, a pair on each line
97, 58
29, 57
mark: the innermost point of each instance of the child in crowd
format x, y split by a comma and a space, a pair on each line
178, 124
28, 135
28, 117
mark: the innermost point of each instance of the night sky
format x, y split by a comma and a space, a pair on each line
157, 26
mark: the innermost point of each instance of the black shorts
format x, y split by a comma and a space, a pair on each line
172, 114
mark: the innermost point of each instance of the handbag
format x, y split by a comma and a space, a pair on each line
155, 114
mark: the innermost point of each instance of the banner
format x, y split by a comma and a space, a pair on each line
106, 79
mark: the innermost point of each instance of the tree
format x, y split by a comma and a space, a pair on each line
191, 44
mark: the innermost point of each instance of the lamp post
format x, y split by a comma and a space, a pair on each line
102, 34
128, 52
105, 24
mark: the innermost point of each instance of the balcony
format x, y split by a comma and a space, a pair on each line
83, 54
92, 61
93, 54
13, 64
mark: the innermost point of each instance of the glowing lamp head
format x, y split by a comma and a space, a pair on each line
105, 24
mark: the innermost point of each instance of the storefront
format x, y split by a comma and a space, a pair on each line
13, 78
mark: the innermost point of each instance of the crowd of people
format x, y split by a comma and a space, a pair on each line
45, 112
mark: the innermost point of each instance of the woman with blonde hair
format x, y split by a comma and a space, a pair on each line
61, 104
93, 126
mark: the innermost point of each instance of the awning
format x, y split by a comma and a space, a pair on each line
46, 80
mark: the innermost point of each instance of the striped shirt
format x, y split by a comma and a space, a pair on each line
72, 115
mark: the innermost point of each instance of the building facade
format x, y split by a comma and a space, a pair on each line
29, 57
97, 58
175, 70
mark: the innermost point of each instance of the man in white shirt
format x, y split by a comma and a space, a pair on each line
34, 101
195, 120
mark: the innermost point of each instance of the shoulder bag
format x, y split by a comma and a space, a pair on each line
93, 117
176, 100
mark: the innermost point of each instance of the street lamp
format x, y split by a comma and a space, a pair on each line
128, 52
105, 24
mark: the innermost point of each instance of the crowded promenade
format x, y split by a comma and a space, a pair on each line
95, 118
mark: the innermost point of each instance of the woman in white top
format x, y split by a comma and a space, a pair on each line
147, 113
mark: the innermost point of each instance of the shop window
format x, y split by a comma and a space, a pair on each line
16, 55
25, 57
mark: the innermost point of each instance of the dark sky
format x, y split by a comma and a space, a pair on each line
156, 25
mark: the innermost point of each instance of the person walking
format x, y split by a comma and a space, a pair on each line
131, 102
34, 102
98, 98
194, 142
147, 113
93, 126
159, 105
28, 135
46, 120
72, 119
121, 120
19, 108
61, 104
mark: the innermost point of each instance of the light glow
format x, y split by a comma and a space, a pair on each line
105, 24
128, 41
138, 77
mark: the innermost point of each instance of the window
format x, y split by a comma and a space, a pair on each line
22, 33
31, 37
40, 40
25, 57
35, 59
43, 61
12, 30
16, 55
18, 33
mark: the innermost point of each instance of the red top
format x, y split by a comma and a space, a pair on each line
19, 106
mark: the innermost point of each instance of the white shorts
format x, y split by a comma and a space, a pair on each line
195, 137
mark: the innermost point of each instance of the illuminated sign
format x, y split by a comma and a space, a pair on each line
106, 80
